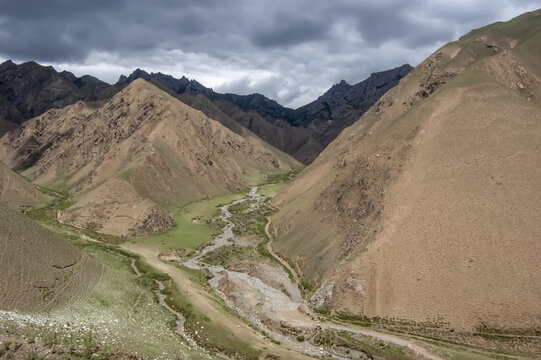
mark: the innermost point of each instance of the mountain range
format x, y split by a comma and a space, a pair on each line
28, 90
130, 159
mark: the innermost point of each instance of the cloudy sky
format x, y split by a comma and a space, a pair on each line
289, 50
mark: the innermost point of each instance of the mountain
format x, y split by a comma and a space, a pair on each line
136, 157
343, 104
29, 89
302, 133
296, 141
56, 274
427, 208
255, 113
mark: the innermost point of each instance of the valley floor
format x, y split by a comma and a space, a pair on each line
236, 297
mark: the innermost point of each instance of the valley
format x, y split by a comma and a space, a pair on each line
232, 285
398, 217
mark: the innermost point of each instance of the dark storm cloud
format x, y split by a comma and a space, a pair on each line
287, 30
288, 50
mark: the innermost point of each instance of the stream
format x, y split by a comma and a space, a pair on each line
161, 300
253, 297
272, 297
265, 295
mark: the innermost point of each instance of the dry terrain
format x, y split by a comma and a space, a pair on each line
16, 192
39, 270
135, 158
427, 211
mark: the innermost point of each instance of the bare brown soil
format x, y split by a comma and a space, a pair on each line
39, 270
427, 209
16, 192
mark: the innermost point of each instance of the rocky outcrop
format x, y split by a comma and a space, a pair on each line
29, 89
155, 221
343, 104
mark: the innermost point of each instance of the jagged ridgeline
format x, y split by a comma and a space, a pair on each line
29, 89
427, 208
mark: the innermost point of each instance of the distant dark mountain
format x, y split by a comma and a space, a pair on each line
267, 108
29, 89
303, 132
343, 104
178, 86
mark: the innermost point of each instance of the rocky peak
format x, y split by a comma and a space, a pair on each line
8, 64
344, 104
179, 86
32, 89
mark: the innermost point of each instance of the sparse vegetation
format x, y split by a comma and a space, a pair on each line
186, 233
225, 254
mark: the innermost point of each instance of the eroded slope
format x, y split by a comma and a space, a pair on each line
16, 192
428, 210
131, 160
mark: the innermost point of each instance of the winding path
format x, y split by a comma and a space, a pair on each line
278, 258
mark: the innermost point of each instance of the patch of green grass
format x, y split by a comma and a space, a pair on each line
249, 221
224, 255
279, 177
374, 347
186, 234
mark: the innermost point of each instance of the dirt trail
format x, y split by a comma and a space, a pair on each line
271, 251
409, 344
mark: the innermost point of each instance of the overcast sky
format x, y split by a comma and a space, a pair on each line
289, 50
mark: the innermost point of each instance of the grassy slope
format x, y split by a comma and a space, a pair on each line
187, 235
121, 311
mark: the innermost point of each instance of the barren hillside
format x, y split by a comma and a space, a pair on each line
39, 270
139, 154
429, 208
16, 192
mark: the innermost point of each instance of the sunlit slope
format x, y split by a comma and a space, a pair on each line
429, 209
131, 160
